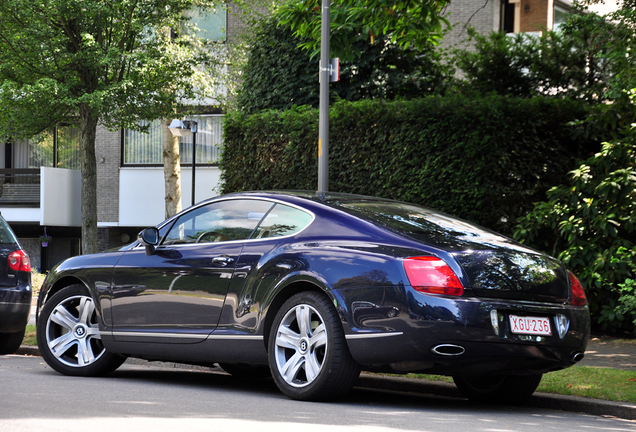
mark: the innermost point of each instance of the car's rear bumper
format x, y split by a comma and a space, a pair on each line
406, 331
15, 308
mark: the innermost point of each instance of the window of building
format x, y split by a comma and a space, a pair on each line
211, 25
560, 17
57, 148
507, 16
140, 148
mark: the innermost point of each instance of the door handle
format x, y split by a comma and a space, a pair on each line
222, 261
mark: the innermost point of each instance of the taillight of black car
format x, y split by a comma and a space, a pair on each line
430, 274
19, 261
578, 295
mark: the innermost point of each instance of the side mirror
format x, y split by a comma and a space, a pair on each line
149, 238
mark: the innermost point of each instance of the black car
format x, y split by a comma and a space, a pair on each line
15, 290
314, 288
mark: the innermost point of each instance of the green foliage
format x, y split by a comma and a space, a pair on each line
587, 58
484, 159
408, 23
626, 307
114, 60
587, 221
279, 74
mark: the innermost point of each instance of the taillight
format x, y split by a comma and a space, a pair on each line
578, 295
19, 261
432, 275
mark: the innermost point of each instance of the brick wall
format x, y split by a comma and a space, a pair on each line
108, 153
536, 16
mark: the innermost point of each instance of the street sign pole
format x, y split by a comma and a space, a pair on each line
323, 122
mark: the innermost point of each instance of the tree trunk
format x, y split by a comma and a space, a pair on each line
171, 171
88, 127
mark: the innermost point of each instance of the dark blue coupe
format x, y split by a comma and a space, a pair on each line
313, 288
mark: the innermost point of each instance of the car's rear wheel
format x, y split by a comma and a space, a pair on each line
68, 335
308, 353
10, 342
503, 389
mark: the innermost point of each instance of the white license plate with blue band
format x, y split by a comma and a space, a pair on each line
530, 325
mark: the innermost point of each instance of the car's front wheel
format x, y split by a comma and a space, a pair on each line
68, 335
502, 389
308, 353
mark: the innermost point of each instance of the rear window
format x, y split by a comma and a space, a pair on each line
424, 224
6, 235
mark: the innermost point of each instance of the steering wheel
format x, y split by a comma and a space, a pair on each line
217, 237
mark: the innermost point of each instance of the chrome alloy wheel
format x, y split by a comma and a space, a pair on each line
72, 333
301, 344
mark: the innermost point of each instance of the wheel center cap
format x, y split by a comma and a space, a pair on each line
303, 345
80, 331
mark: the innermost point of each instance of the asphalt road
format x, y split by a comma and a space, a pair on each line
149, 398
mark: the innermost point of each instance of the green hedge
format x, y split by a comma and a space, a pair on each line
484, 159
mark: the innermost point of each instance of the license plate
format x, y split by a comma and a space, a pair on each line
530, 325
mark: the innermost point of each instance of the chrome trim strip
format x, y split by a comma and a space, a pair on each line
165, 335
236, 337
372, 335
186, 335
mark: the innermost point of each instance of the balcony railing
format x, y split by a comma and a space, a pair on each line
20, 187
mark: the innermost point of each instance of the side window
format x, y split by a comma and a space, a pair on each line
282, 220
219, 221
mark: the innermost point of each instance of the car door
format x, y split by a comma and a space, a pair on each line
176, 294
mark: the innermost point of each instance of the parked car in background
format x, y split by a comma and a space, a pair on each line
314, 288
15, 290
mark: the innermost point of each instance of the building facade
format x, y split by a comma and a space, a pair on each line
511, 16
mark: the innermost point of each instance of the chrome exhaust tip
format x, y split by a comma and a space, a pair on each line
576, 356
448, 350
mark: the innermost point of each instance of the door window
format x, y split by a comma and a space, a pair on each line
219, 221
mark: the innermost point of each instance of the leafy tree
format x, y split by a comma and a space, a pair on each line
579, 61
408, 23
279, 74
89, 61
588, 220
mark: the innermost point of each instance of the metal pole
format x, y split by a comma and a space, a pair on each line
323, 122
193, 128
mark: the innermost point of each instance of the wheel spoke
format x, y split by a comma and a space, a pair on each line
303, 317
86, 309
312, 366
287, 338
63, 317
319, 338
290, 369
92, 332
62, 344
85, 354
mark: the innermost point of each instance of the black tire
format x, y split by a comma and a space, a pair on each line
501, 389
241, 370
68, 335
10, 342
308, 353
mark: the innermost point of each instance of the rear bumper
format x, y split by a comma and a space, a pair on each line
15, 308
403, 331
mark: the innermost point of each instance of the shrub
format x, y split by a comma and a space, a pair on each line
484, 159
587, 222
279, 75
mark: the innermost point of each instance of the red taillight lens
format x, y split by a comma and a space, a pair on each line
578, 295
432, 275
19, 261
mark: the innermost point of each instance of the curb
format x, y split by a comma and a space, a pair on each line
577, 404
